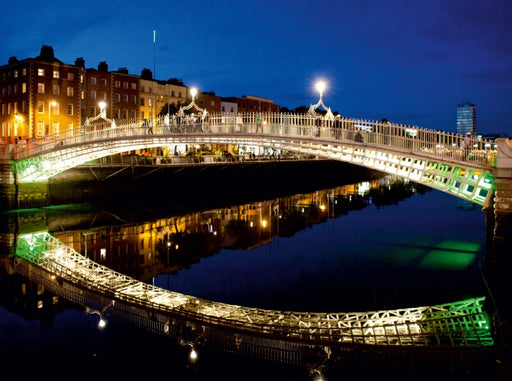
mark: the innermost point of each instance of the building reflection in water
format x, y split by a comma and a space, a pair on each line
143, 249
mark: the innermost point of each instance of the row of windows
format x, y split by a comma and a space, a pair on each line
12, 108
117, 84
55, 74
143, 89
117, 97
41, 88
12, 129
118, 113
14, 74
14, 89
54, 108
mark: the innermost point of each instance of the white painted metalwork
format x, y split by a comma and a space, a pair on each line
460, 324
433, 158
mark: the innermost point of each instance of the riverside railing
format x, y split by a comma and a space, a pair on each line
301, 126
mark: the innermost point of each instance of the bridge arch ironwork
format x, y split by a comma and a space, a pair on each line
299, 338
433, 158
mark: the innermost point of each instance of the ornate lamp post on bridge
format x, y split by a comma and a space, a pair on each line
320, 87
193, 93
101, 115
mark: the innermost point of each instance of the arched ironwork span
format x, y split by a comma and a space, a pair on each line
458, 325
432, 158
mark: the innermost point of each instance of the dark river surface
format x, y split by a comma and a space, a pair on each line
363, 242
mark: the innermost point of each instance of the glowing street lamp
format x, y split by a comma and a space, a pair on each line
50, 104
101, 115
103, 109
193, 93
320, 87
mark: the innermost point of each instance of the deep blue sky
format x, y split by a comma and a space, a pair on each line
408, 61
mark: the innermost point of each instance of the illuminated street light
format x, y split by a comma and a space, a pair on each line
101, 115
193, 355
50, 104
320, 87
103, 109
193, 93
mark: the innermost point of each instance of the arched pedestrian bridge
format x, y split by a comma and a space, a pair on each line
432, 158
299, 338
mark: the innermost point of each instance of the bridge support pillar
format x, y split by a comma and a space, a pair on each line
498, 261
503, 177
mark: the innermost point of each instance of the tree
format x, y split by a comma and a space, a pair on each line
170, 108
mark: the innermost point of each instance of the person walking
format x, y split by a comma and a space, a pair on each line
465, 146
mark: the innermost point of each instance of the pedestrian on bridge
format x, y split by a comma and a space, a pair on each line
465, 146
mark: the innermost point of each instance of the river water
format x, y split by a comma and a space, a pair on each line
371, 242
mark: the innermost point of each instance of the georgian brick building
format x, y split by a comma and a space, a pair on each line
250, 103
118, 89
39, 96
42, 96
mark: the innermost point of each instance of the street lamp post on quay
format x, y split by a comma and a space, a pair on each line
50, 104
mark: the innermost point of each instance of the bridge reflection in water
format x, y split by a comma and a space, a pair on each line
303, 338
311, 339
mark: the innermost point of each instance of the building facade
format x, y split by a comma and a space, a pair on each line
39, 96
117, 91
250, 103
466, 119
157, 97
209, 101
42, 96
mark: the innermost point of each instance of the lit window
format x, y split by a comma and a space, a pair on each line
56, 74
40, 88
70, 91
40, 72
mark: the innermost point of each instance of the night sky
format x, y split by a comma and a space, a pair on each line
410, 62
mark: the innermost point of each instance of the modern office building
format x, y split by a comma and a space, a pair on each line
466, 118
